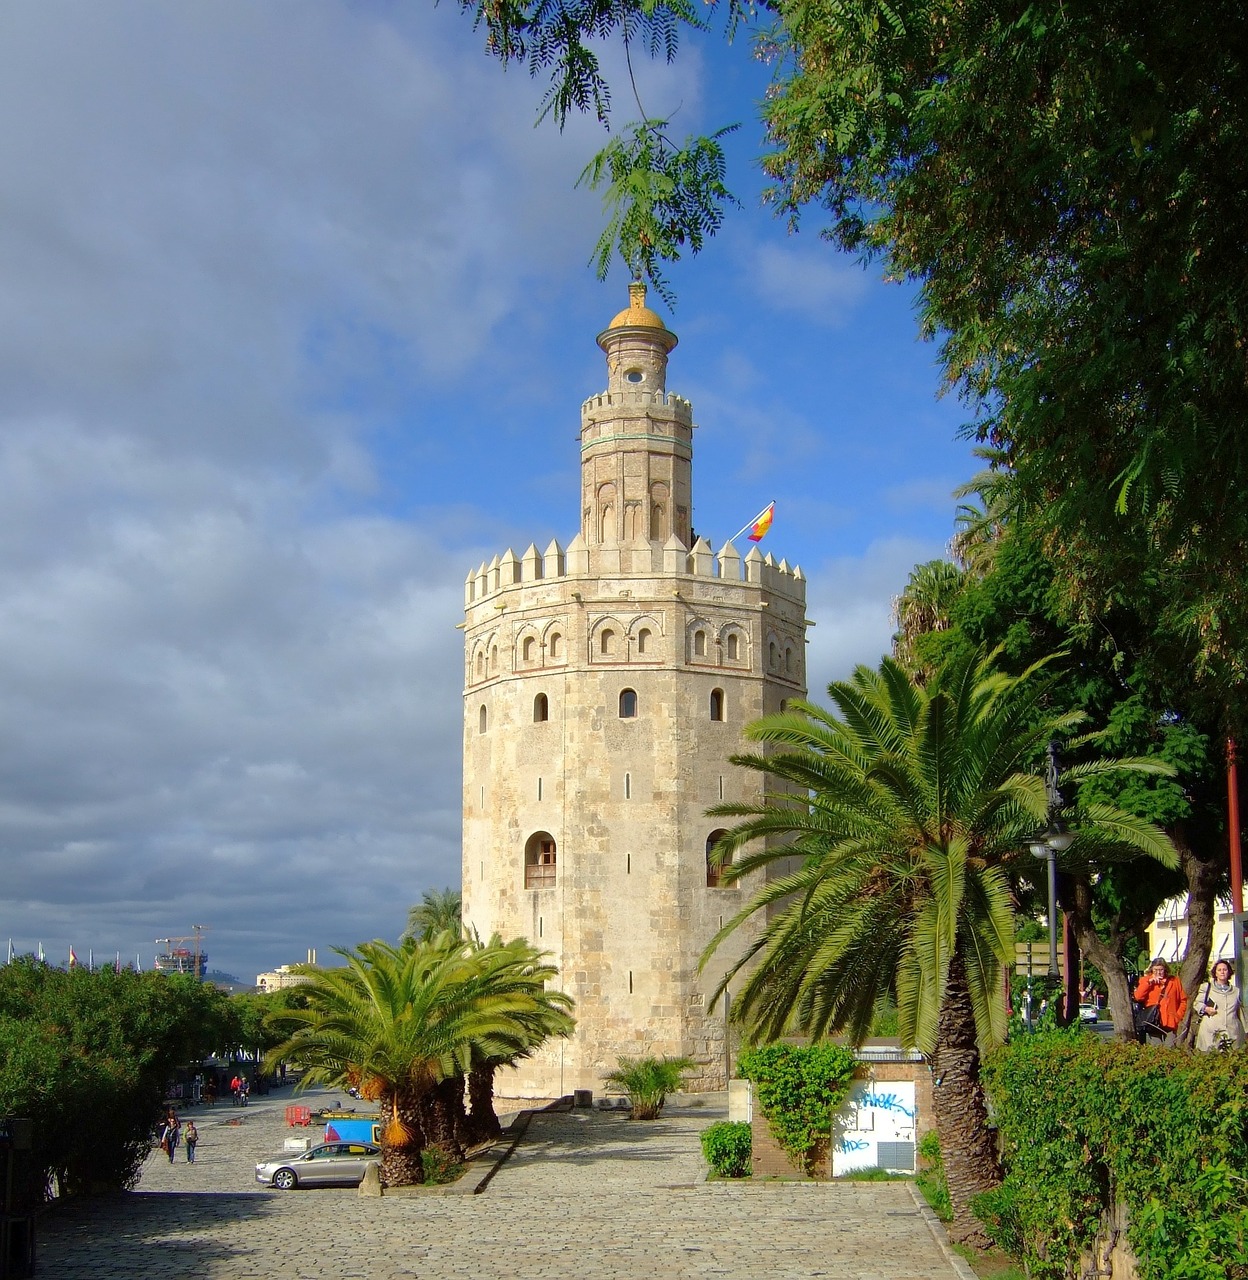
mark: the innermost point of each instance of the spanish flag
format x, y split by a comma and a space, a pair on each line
762, 522
73, 958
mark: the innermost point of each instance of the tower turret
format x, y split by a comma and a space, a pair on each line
636, 440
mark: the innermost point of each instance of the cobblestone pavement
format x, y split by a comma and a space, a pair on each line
585, 1194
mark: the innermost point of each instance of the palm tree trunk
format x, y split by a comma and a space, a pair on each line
967, 1145
438, 1115
483, 1118
401, 1164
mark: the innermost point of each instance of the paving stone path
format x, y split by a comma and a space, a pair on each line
585, 1194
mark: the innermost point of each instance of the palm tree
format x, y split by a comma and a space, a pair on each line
437, 912
517, 967
922, 608
394, 1022
909, 811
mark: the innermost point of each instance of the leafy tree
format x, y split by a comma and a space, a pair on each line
86, 1056
648, 1081
908, 817
437, 912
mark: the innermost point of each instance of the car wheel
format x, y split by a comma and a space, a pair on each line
285, 1180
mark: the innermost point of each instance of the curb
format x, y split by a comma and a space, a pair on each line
937, 1228
498, 1155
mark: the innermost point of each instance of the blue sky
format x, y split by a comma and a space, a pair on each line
296, 328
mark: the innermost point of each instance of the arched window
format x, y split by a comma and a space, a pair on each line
773, 656
541, 708
699, 644
714, 866
717, 704
643, 641
494, 658
480, 664
734, 648
628, 704
539, 861
555, 647
483, 719
606, 641
656, 522
788, 660
526, 649
784, 705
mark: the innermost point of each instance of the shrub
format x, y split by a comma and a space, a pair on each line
799, 1089
1088, 1124
726, 1147
439, 1167
931, 1177
648, 1081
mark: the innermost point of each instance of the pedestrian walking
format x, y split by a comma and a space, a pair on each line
192, 1139
170, 1133
1221, 1017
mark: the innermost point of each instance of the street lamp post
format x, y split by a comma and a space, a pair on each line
1055, 839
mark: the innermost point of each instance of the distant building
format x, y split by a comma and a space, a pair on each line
607, 684
1167, 935
283, 976
181, 960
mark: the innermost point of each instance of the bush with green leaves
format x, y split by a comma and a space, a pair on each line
1086, 1124
86, 1056
931, 1176
799, 1088
727, 1148
648, 1081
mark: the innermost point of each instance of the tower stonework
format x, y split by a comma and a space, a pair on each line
606, 685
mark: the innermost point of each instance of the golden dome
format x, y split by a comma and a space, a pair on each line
637, 313
639, 316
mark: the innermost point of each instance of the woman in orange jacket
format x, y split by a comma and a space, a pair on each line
1158, 989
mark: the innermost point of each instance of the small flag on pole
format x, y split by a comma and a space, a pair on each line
762, 522
42, 958
10, 961
73, 959
117, 963
759, 525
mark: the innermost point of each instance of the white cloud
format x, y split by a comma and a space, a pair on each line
811, 281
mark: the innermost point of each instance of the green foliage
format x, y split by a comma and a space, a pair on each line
1086, 1122
931, 1177
799, 1089
648, 1081
86, 1056
438, 911
884, 1024
727, 1147
439, 1168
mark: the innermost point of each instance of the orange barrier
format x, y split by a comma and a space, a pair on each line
298, 1115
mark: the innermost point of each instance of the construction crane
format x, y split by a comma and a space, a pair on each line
177, 954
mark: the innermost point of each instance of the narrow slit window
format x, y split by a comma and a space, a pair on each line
483, 720
628, 786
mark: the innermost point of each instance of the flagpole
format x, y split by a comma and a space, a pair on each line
750, 524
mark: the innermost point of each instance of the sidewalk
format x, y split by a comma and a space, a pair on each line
585, 1194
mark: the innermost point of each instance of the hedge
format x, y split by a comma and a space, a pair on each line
1088, 1124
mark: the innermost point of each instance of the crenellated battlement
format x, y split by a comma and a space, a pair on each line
642, 558
630, 399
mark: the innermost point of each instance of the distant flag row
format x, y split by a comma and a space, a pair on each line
74, 962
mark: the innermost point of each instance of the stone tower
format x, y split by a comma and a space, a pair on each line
606, 685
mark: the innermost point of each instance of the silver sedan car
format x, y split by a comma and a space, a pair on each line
330, 1164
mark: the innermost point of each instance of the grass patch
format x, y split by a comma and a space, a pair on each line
873, 1175
993, 1265
439, 1168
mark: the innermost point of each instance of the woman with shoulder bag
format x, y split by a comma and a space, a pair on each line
1161, 1002
1218, 1006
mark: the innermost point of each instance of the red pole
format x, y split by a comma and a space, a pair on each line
1232, 824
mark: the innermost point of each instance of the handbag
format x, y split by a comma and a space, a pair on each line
1148, 1020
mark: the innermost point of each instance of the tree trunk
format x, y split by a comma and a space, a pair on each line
968, 1146
440, 1111
1204, 878
483, 1120
401, 1164
1107, 956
